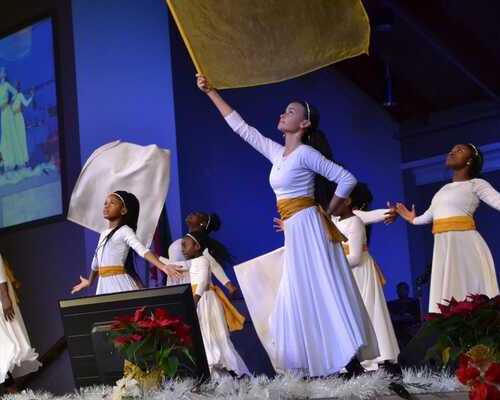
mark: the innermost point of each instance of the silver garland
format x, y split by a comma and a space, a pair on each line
286, 386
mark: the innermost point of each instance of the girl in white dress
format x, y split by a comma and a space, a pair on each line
216, 315
318, 323
113, 262
21, 148
462, 263
8, 142
17, 357
215, 252
367, 274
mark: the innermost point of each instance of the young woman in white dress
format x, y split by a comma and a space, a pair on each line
17, 357
216, 315
367, 274
21, 148
113, 262
318, 323
8, 142
215, 252
462, 263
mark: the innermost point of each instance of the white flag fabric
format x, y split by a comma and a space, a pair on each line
141, 170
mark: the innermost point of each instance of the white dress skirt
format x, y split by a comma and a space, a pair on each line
219, 349
317, 322
462, 263
367, 277
16, 354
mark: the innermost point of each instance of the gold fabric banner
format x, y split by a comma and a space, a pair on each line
239, 43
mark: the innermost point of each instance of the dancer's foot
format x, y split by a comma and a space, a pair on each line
354, 368
392, 368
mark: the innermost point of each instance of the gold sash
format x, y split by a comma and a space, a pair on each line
460, 223
289, 207
378, 271
111, 270
233, 318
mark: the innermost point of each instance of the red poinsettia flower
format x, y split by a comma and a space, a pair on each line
139, 314
183, 332
122, 340
463, 360
161, 314
463, 307
483, 391
467, 375
492, 374
147, 324
168, 323
136, 338
478, 298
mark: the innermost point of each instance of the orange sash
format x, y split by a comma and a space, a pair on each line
111, 270
233, 318
461, 223
379, 272
289, 207
12, 279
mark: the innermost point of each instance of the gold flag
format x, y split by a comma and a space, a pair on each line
239, 43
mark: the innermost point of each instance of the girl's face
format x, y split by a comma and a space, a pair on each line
293, 119
459, 156
113, 208
196, 221
190, 249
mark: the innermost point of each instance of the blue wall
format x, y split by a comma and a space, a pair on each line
219, 172
124, 83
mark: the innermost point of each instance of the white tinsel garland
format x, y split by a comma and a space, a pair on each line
282, 387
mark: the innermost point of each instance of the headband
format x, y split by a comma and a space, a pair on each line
308, 111
195, 240
120, 197
476, 151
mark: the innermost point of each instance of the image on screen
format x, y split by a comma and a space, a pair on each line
30, 168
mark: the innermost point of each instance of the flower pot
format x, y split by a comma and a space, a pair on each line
148, 380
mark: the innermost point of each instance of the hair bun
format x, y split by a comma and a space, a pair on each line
213, 223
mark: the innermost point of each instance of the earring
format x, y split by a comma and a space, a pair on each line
468, 163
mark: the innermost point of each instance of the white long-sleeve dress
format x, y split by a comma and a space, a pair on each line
462, 263
16, 354
368, 280
175, 255
219, 349
112, 255
310, 315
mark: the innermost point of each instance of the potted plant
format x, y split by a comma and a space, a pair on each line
154, 344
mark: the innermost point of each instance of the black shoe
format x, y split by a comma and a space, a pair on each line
354, 369
392, 369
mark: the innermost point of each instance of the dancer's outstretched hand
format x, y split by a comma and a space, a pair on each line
173, 271
405, 213
203, 83
391, 215
84, 284
278, 225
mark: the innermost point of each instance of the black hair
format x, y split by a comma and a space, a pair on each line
476, 161
213, 222
216, 248
314, 137
402, 283
130, 218
361, 197
201, 238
